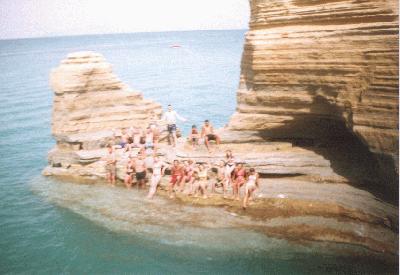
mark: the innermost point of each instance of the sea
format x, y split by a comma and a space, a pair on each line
58, 227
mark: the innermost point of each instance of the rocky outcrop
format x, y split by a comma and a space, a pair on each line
317, 69
88, 97
313, 74
89, 103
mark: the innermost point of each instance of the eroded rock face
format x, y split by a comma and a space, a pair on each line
89, 102
316, 69
88, 97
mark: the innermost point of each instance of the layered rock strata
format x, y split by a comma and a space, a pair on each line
310, 193
317, 69
89, 103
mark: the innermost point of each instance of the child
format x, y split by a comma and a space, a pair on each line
251, 186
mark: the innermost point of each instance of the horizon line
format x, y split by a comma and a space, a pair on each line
116, 33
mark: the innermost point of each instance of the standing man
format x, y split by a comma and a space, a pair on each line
207, 132
170, 116
140, 170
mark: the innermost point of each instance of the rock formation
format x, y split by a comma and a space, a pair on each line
89, 102
316, 69
319, 85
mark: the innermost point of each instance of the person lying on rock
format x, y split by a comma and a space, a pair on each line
110, 165
207, 132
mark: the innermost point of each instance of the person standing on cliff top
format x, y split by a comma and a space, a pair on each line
171, 116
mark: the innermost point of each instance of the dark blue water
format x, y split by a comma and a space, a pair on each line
49, 227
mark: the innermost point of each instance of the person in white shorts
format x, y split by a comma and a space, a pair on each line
158, 171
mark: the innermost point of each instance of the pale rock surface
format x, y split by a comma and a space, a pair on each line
314, 68
90, 105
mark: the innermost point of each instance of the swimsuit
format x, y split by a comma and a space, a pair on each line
251, 183
171, 128
240, 176
229, 167
175, 174
189, 173
194, 132
211, 137
141, 175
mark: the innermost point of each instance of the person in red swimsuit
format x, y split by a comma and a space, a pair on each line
176, 176
239, 178
188, 170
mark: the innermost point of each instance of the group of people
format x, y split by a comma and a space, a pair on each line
135, 137
187, 177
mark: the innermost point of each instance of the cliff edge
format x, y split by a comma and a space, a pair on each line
321, 71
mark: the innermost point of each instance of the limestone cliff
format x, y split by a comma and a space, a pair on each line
318, 68
89, 102
88, 97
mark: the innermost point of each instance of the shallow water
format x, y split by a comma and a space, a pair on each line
48, 227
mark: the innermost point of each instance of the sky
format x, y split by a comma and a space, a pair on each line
43, 18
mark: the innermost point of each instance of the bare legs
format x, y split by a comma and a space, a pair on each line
200, 185
128, 181
173, 137
155, 180
247, 197
172, 185
236, 188
111, 178
207, 142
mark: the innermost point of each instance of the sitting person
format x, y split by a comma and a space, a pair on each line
135, 134
156, 134
149, 138
194, 136
176, 176
207, 132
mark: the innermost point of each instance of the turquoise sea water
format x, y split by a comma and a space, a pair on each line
51, 227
